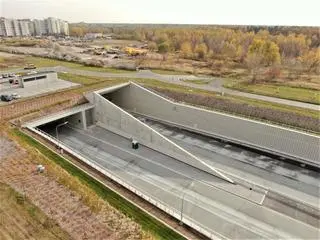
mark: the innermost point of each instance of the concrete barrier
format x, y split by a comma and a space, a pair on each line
274, 139
115, 119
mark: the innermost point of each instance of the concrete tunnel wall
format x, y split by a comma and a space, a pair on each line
272, 138
113, 118
78, 120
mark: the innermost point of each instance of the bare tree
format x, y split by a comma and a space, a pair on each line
254, 63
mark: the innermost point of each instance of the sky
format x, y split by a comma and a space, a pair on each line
236, 12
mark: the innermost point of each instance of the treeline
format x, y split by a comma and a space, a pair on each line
253, 46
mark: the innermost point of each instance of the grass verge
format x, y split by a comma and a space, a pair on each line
198, 81
279, 91
168, 72
147, 222
48, 62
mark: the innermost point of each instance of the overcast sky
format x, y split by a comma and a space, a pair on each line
254, 12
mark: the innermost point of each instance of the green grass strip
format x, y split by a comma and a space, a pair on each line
148, 223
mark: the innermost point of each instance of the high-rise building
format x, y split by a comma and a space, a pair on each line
16, 28
64, 27
6, 26
40, 27
52, 26
26, 27
32, 28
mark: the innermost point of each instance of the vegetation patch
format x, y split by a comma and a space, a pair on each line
148, 223
20, 219
228, 104
168, 72
279, 91
197, 81
50, 62
256, 109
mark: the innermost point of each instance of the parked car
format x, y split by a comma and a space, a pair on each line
29, 66
6, 98
5, 75
11, 75
15, 96
32, 72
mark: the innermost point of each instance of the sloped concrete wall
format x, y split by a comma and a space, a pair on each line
115, 119
271, 138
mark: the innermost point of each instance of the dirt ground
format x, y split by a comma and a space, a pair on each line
59, 203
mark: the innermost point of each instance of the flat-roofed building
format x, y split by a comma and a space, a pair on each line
52, 26
36, 27
24, 27
16, 28
64, 27
40, 27
7, 27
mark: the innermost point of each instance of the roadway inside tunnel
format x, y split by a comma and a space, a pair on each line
211, 202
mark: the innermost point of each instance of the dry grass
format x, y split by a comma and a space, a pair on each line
76, 208
20, 219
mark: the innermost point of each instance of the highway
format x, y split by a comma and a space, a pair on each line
283, 177
215, 84
223, 209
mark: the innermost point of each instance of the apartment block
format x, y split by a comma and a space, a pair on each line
6, 26
36, 27
40, 27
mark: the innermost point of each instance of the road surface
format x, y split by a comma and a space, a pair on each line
285, 178
219, 207
216, 85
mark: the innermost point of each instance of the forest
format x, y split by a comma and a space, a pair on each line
294, 47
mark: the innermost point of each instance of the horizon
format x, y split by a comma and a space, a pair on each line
206, 12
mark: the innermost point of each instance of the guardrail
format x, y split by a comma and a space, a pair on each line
179, 215
156, 202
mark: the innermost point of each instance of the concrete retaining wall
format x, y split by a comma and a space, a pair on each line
278, 140
113, 118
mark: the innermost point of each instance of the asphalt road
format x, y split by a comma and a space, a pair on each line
292, 180
219, 207
215, 84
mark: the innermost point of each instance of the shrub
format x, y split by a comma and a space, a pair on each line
273, 72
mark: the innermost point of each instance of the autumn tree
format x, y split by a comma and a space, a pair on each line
254, 62
76, 31
267, 50
271, 53
311, 61
186, 50
152, 46
164, 47
292, 46
201, 50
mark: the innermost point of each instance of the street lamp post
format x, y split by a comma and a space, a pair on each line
182, 200
57, 134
